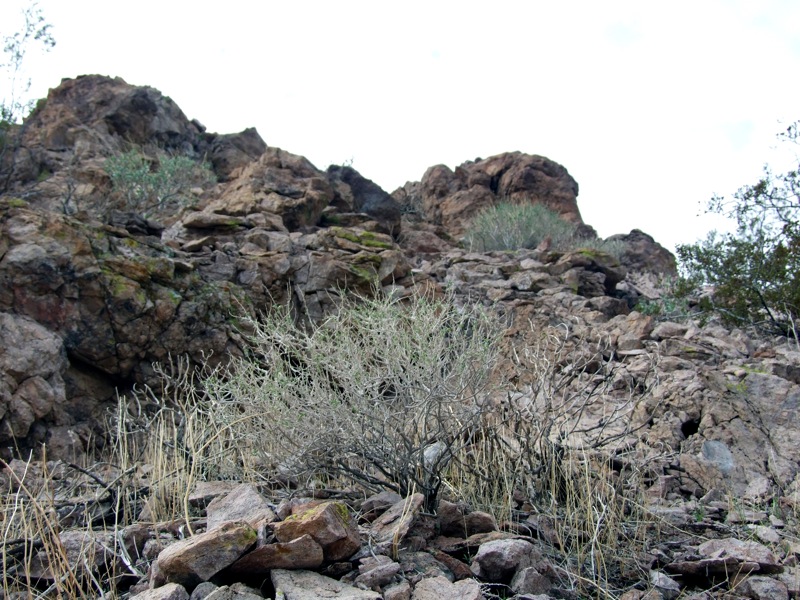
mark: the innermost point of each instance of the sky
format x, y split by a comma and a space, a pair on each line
653, 107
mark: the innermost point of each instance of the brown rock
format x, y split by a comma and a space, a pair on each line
643, 253
301, 553
529, 581
451, 199
763, 588
243, 503
329, 524
198, 558
499, 560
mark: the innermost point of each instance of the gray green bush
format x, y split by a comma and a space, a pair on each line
144, 185
516, 225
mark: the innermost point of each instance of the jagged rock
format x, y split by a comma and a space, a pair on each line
725, 556
417, 565
359, 194
237, 591
200, 557
203, 590
329, 524
643, 253
378, 503
398, 591
280, 183
32, 365
231, 152
307, 585
301, 553
440, 588
668, 587
243, 503
451, 199
205, 491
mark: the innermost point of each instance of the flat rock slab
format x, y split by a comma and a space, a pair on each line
197, 559
440, 588
302, 553
243, 503
307, 585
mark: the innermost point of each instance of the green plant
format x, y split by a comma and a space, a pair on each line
14, 104
673, 303
515, 225
754, 271
146, 185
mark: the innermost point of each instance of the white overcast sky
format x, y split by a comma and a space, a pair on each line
653, 107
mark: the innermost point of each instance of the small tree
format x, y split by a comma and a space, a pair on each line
754, 271
144, 187
14, 103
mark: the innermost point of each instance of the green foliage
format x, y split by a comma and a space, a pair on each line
15, 85
35, 31
513, 225
754, 271
144, 187
673, 303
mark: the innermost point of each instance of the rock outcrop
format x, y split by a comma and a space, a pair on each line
451, 198
91, 298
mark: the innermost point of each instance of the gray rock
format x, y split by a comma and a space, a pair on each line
499, 560
170, 591
763, 588
440, 588
197, 559
308, 585
243, 503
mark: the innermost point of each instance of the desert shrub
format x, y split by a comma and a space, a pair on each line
570, 441
145, 186
515, 225
383, 392
753, 271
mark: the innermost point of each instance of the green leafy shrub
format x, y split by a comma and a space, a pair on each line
143, 188
753, 271
512, 225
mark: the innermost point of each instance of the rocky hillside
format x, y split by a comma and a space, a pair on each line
91, 296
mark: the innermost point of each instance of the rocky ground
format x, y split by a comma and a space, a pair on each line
698, 418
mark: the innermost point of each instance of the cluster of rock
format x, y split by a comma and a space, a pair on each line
237, 544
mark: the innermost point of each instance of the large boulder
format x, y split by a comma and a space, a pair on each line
358, 194
642, 253
451, 198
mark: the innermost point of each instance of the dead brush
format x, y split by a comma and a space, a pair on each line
41, 555
564, 443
